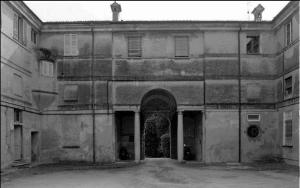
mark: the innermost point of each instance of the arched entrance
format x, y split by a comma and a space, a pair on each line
158, 124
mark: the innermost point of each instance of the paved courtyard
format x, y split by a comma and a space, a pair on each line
155, 173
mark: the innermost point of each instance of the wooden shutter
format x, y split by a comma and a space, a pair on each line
181, 46
16, 27
67, 45
20, 34
134, 46
24, 33
70, 44
74, 44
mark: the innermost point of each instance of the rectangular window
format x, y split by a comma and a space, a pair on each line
70, 45
252, 44
181, 46
17, 85
20, 29
17, 116
134, 46
287, 129
288, 87
288, 33
46, 68
253, 117
71, 93
33, 36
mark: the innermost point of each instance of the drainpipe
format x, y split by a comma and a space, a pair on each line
93, 95
239, 84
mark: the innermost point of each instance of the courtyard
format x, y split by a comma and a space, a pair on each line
155, 172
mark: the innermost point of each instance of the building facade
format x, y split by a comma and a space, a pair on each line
228, 91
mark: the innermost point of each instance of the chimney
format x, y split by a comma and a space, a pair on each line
257, 12
116, 9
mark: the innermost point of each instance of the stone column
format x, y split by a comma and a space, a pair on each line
137, 145
180, 136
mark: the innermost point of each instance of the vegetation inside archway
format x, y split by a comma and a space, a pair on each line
156, 136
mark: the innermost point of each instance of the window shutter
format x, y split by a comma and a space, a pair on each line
181, 46
20, 34
67, 45
50, 69
24, 33
134, 47
74, 44
15, 27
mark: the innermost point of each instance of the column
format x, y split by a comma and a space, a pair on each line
180, 136
137, 149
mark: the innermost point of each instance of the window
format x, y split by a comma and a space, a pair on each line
181, 46
71, 93
252, 44
70, 45
288, 87
288, 33
134, 46
17, 116
287, 129
253, 117
17, 85
33, 36
46, 68
20, 29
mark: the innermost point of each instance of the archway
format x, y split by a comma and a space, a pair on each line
158, 124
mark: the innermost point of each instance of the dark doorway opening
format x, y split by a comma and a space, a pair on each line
125, 135
18, 140
34, 146
192, 131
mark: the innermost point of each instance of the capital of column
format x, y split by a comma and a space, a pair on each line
179, 112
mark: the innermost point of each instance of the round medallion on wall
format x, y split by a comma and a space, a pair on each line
253, 131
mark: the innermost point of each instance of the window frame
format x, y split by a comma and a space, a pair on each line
287, 96
33, 35
187, 47
253, 120
129, 49
288, 40
45, 69
252, 45
73, 49
19, 29
75, 98
287, 116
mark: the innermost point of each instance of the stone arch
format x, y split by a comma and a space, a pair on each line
158, 103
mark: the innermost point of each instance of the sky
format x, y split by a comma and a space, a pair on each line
153, 10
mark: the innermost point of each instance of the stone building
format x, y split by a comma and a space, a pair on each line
227, 91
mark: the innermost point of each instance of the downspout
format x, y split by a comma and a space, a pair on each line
239, 85
93, 94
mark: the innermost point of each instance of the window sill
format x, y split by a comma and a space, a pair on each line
286, 146
182, 57
254, 54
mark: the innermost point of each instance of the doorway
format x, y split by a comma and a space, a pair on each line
158, 125
34, 146
18, 139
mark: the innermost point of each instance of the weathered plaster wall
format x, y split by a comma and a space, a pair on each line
221, 136
185, 92
266, 146
66, 137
